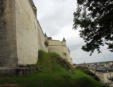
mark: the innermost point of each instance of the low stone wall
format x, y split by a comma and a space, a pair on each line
5, 71
18, 71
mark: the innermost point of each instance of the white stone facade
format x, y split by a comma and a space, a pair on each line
26, 33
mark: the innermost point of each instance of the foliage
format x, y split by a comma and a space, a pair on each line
95, 20
46, 43
52, 74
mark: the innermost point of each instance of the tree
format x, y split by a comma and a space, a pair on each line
95, 19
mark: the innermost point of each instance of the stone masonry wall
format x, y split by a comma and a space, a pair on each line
8, 48
60, 48
42, 39
27, 33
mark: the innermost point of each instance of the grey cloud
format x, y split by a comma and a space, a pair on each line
55, 14
80, 56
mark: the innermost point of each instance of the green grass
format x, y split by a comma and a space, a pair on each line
87, 71
53, 72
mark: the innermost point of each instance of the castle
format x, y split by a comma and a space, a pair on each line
21, 36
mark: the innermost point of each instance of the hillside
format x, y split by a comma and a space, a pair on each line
53, 72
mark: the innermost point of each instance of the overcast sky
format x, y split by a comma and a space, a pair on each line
56, 19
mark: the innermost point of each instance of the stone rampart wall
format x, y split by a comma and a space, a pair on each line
27, 33
60, 48
8, 47
42, 39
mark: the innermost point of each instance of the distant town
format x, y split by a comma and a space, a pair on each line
99, 66
104, 70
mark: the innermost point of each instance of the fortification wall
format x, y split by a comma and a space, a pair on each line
8, 49
21, 36
60, 48
27, 33
42, 39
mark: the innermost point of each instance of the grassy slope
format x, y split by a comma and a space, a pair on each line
53, 73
